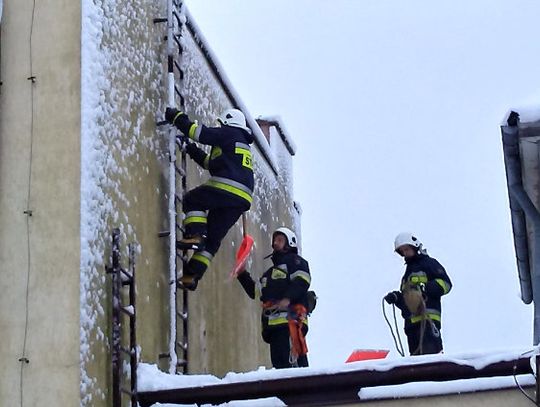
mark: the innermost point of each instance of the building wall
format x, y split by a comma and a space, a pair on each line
90, 157
39, 171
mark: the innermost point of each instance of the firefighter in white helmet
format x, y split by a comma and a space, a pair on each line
213, 208
284, 297
424, 283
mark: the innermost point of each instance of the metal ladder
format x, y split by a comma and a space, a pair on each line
123, 278
179, 297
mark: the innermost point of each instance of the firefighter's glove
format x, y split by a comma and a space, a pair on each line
183, 141
178, 118
392, 297
191, 149
170, 114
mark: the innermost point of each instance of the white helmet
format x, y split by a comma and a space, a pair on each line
407, 238
234, 118
289, 234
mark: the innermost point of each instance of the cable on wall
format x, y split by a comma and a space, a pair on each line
28, 212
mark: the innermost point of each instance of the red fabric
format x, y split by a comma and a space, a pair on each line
299, 346
367, 354
242, 255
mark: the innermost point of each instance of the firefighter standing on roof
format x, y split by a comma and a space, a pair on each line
213, 208
424, 283
283, 294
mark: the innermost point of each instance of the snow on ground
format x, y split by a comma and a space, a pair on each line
151, 379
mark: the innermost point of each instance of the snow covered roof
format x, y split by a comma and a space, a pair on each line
353, 382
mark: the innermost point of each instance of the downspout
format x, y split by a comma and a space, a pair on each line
522, 207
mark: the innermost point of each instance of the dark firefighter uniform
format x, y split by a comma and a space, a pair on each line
428, 275
289, 277
213, 208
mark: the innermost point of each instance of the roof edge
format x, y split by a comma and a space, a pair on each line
342, 387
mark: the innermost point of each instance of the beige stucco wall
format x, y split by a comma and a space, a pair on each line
39, 170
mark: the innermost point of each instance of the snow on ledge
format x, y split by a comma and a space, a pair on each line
424, 389
282, 130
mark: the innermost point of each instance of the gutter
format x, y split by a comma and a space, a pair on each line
331, 389
519, 200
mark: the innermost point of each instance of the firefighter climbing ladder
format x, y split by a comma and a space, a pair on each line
178, 296
120, 279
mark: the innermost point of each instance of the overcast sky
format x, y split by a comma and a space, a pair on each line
395, 109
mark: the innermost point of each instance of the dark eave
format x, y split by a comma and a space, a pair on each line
332, 389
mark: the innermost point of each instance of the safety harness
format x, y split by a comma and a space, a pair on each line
413, 296
295, 318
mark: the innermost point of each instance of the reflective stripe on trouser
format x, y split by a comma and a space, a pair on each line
199, 263
195, 223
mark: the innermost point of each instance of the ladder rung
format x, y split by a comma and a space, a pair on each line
125, 391
129, 310
164, 233
160, 20
177, 40
179, 68
177, 91
180, 170
181, 362
177, 16
126, 276
182, 257
182, 346
182, 315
